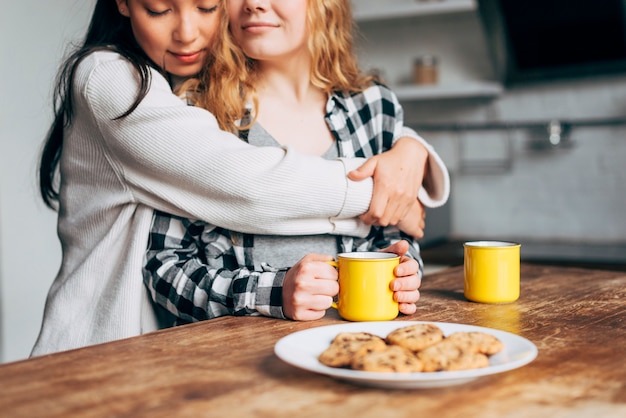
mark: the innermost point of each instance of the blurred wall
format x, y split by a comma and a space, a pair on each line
35, 36
504, 183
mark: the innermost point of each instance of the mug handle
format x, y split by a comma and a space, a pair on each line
335, 265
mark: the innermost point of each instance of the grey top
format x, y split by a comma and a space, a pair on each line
285, 251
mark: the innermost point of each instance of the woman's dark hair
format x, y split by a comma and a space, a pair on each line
110, 30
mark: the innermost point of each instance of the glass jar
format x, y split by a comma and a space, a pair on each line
426, 70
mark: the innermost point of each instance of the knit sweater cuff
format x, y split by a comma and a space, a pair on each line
357, 202
358, 193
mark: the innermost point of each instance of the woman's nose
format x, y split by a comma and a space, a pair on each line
186, 29
255, 5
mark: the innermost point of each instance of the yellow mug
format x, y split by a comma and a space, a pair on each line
364, 292
492, 271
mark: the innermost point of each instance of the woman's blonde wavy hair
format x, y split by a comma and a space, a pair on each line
228, 82
225, 76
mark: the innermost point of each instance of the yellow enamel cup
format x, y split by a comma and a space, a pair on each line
492, 271
364, 292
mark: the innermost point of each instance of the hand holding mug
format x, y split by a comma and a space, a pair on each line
311, 284
407, 282
309, 288
396, 284
365, 286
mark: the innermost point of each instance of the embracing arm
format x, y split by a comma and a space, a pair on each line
174, 158
410, 167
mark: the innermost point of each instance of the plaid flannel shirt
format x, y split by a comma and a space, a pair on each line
198, 271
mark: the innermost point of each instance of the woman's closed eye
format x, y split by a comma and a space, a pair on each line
155, 13
211, 9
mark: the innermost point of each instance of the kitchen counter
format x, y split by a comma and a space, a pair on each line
227, 367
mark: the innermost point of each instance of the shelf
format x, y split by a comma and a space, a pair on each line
377, 10
525, 124
471, 89
364, 11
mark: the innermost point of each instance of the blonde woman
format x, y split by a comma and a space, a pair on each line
301, 89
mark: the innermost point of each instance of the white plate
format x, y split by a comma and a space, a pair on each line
302, 348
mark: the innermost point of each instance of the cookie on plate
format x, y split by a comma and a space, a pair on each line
415, 337
393, 359
468, 361
447, 356
479, 342
346, 345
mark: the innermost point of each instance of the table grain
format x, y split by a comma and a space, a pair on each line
226, 367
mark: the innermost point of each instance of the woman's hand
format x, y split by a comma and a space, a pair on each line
309, 288
415, 221
398, 175
407, 282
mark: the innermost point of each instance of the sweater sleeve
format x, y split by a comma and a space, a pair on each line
174, 158
435, 189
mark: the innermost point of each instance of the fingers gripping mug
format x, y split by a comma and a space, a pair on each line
491, 271
364, 292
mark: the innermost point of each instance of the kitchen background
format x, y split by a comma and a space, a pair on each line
561, 195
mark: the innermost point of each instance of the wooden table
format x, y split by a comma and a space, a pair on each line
227, 368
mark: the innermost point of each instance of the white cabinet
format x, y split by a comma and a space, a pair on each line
466, 90
394, 32
365, 10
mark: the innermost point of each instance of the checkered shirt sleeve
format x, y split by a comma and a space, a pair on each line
197, 271
367, 123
